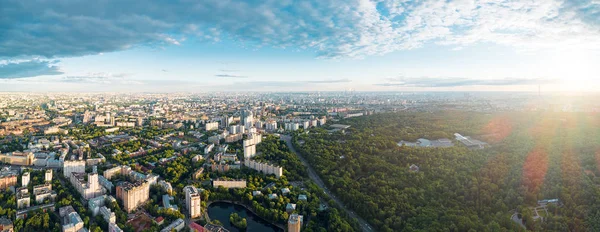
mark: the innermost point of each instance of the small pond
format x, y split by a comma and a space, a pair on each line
221, 211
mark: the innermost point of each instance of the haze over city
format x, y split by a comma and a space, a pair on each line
361, 45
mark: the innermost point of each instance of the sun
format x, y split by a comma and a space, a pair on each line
576, 70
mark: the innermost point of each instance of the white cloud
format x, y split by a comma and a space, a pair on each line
331, 28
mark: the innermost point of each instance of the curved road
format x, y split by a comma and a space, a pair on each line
313, 175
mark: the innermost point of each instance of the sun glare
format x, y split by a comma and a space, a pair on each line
574, 70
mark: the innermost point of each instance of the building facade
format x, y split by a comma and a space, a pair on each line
7, 179
70, 166
192, 201
89, 188
18, 158
264, 167
229, 183
25, 179
295, 223
133, 195
48, 175
212, 126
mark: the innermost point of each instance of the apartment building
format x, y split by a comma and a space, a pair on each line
264, 167
229, 183
133, 195
89, 188
192, 201
70, 166
295, 223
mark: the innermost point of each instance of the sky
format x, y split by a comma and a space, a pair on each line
309, 45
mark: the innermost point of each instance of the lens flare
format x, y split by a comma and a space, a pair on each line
498, 129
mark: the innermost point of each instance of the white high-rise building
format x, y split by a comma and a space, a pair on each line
292, 126
212, 126
48, 175
25, 179
88, 189
271, 125
233, 129
192, 201
258, 124
249, 151
70, 166
250, 145
247, 118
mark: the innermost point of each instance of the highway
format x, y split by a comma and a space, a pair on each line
313, 175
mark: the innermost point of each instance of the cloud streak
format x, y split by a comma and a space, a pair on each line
100, 78
345, 80
230, 76
438, 82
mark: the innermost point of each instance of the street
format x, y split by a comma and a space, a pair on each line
313, 175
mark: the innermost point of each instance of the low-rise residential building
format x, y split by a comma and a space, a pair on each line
96, 203
166, 186
175, 225
290, 207
108, 215
43, 192
23, 198
71, 220
6, 225
302, 197
195, 227
229, 183
7, 179
166, 200
208, 148
215, 228
197, 158
264, 167
113, 227
272, 196
106, 183
413, 168
198, 173
109, 173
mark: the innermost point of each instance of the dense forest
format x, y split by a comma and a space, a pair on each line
532, 156
273, 150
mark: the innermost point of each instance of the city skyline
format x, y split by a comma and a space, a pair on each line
299, 46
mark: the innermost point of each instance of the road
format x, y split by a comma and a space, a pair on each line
313, 175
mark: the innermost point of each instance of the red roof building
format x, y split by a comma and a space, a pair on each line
196, 227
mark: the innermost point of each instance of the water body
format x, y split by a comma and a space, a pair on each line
221, 211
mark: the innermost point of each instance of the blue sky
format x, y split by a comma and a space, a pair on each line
286, 45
